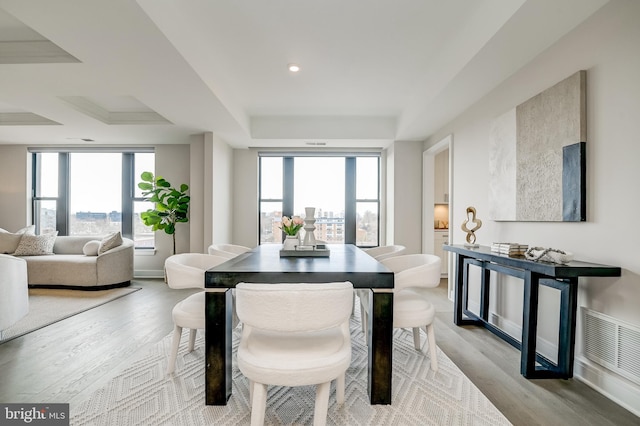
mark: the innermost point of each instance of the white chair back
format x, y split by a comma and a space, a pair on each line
221, 253
186, 270
230, 250
294, 307
414, 270
385, 252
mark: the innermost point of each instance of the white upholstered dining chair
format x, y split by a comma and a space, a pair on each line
227, 250
186, 270
414, 275
385, 252
294, 335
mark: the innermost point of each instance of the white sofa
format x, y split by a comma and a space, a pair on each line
14, 292
69, 267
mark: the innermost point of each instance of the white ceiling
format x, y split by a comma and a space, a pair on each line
157, 71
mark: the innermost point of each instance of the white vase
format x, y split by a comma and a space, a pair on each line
309, 226
290, 242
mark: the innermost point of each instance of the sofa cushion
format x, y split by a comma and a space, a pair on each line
91, 248
109, 242
65, 269
36, 245
9, 240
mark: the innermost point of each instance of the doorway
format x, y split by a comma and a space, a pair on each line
438, 201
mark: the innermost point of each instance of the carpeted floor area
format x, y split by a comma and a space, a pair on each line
47, 306
143, 394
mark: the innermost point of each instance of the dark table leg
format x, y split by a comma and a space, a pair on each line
459, 289
529, 324
380, 347
567, 333
218, 345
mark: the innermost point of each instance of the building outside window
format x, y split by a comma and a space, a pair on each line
91, 193
345, 190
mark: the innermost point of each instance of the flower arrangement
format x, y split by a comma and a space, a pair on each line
291, 226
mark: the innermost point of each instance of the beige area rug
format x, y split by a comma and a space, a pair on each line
143, 394
47, 306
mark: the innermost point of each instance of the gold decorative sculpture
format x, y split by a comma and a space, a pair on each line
471, 236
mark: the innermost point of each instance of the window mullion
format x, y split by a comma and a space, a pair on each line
128, 166
287, 186
350, 201
64, 185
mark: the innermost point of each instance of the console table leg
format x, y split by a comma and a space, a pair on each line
459, 291
567, 326
529, 324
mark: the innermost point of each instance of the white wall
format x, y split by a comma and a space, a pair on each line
404, 195
245, 197
172, 163
221, 189
14, 175
606, 46
200, 182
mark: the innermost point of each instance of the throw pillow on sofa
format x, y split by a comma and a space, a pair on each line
36, 245
91, 248
9, 240
109, 242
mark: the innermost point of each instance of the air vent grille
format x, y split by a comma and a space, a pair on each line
612, 343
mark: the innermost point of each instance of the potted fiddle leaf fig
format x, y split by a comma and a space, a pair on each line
171, 204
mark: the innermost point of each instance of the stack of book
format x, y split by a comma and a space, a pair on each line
510, 249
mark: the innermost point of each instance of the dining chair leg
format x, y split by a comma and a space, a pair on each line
322, 404
433, 349
192, 339
258, 404
175, 344
340, 385
416, 338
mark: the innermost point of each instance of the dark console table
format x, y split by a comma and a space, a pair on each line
534, 274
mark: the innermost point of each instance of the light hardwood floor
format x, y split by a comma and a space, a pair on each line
69, 359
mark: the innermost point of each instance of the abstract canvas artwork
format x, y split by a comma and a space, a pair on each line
538, 157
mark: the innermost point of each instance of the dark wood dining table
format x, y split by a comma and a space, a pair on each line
263, 264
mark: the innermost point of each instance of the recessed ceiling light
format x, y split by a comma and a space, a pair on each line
294, 67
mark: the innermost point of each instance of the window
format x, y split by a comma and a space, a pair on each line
345, 191
91, 193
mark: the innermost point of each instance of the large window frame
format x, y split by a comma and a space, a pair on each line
351, 199
62, 200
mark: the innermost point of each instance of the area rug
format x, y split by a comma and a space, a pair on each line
143, 394
47, 306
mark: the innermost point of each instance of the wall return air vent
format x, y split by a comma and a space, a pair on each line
612, 343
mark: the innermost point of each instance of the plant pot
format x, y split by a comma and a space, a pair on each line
290, 242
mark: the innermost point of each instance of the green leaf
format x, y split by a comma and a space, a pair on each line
147, 176
170, 228
184, 187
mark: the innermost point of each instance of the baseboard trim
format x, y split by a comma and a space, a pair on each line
616, 388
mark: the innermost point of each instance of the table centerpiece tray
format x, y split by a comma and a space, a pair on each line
319, 250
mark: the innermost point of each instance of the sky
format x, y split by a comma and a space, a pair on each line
319, 181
